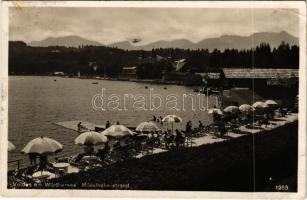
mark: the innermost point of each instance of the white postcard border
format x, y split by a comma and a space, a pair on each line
301, 6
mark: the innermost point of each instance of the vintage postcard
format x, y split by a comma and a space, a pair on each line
153, 99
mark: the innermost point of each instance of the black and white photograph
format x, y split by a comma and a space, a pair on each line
162, 97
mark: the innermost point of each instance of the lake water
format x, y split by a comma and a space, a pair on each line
37, 102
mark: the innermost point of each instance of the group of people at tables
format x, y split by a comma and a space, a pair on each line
41, 169
89, 156
232, 121
169, 139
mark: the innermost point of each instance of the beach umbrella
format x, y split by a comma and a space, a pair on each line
147, 127
215, 111
10, 146
117, 131
245, 108
172, 119
42, 145
232, 109
271, 103
259, 104
91, 138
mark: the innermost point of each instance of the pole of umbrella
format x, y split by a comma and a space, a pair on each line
173, 128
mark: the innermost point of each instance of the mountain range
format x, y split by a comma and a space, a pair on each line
221, 43
68, 41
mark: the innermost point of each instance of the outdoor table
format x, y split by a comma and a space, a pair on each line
72, 169
90, 158
41, 175
61, 165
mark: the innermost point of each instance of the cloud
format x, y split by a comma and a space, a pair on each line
108, 25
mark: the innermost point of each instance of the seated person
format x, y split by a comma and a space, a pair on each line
179, 139
200, 125
79, 157
81, 127
222, 129
102, 153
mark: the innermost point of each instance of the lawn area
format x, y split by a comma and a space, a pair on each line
225, 166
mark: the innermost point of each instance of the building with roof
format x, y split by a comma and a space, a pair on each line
58, 73
128, 73
183, 77
279, 84
258, 77
259, 73
211, 79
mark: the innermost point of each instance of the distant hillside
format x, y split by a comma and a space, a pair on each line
221, 43
67, 41
181, 43
239, 42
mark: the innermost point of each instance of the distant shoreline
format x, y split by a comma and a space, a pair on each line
149, 81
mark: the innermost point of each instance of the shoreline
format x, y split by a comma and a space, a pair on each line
149, 81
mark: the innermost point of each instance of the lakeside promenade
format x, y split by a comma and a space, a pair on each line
211, 137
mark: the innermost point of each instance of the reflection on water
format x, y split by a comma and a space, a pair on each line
36, 103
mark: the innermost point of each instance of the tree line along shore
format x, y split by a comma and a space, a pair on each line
109, 62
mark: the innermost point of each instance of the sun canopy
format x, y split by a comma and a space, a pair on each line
117, 131
10, 146
172, 119
245, 108
259, 104
91, 138
232, 109
215, 111
147, 127
270, 103
42, 145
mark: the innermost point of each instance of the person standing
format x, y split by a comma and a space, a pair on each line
187, 128
190, 126
161, 122
108, 124
178, 138
200, 126
154, 118
79, 127
222, 128
32, 158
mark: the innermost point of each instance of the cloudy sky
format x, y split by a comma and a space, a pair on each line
108, 25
